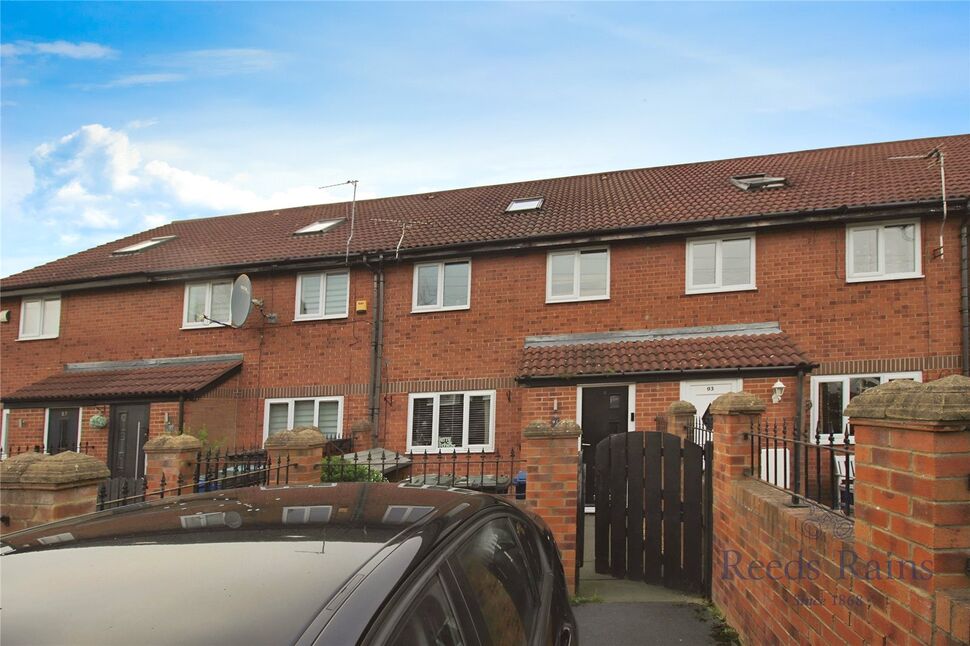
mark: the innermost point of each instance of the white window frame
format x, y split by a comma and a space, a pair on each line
434, 448
39, 299
438, 306
574, 297
292, 407
203, 325
324, 276
844, 379
717, 287
880, 273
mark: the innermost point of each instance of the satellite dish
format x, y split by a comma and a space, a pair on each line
241, 300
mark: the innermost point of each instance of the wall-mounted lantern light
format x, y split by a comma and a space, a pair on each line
777, 391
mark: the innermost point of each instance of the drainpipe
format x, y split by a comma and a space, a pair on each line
377, 348
181, 414
799, 416
965, 298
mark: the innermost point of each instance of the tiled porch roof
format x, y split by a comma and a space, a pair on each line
149, 379
726, 347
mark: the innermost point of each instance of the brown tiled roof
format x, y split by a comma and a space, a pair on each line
851, 176
663, 354
149, 381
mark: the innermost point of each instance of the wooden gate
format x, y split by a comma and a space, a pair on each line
653, 510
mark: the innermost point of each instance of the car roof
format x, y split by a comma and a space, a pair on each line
252, 565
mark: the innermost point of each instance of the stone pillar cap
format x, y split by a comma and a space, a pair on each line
298, 438
173, 443
943, 400
737, 404
63, 468
565, 428
681, 407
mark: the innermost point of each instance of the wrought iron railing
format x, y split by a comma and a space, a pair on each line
489, 472
815, 468
11, 451
698, 432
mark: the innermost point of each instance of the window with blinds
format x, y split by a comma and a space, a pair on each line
446, 421
207, 304
324, 413
322, 295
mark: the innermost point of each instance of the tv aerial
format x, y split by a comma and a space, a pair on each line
241, 303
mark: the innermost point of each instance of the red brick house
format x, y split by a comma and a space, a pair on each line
452, 319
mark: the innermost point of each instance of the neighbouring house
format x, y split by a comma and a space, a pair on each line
452, 319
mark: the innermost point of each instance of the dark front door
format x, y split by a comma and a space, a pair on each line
62, 429
605, 412
129, 430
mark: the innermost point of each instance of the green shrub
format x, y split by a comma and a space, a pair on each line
335, 469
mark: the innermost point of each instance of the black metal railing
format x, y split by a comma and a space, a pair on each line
815, 468
489, 472
698, 432
11, 451
215, 471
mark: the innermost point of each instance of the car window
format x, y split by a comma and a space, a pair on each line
430, 621
496, 580
529, 542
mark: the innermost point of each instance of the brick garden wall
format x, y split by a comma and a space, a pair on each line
894, 576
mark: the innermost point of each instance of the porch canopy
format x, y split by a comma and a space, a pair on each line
150, 379
743, 347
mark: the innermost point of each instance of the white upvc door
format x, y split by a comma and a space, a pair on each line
702, 392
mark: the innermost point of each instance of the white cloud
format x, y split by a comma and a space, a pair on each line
81, 50
138, 124
135, 80
221, 62
93, 185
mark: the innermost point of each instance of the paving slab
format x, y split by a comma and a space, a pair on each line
645, 624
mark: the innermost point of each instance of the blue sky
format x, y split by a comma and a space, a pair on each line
119, 117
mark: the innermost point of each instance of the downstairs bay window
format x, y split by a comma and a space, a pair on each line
457, 421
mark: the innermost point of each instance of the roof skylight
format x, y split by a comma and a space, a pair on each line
318, 227
758, 181
524, 204
141, 246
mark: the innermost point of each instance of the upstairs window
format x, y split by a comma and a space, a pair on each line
442, 286
451, 421
883, 251
324, 413
322, 296
40, 317
579, 275
758, 182
720, 264
141, 246
207, 304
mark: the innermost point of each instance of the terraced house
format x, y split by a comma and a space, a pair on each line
450, 320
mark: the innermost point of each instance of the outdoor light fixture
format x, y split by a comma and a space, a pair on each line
777, 391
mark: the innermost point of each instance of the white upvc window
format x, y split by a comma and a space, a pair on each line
883, 251
832, 393
40, 317
207, 304
323, 295
578, 275
453, 421
720, 264
324, 413
442, 286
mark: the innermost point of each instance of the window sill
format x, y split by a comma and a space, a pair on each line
213, 326
43, 337
875, 279
328, 317
426, 310
581, 299
721, 290
418, 451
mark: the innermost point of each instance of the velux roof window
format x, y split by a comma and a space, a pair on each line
758, 181
318, 227
524, 204
141, 246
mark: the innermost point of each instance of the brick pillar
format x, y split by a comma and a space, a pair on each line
912, 498
37, 488
734, 414
551, 455
680, 418
304, 447
171, 456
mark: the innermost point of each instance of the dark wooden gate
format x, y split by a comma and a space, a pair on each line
653, 510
